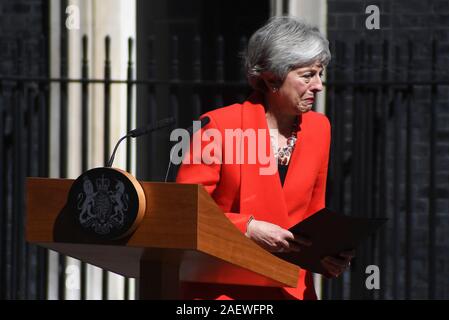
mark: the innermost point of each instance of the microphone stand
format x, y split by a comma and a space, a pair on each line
139, 132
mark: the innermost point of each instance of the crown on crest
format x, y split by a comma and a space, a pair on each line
103, 184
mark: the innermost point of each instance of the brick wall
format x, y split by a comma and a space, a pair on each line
418, 21
22, 20
22, 53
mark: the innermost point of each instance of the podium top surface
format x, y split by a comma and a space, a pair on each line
181, 223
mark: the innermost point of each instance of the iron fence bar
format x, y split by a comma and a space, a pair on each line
370, 155
242, 47
339, 131
174, 61
107, 99
330, 111
383, 175
30, 170
43, 114
219, 63
84, 105
63, 98
32, 276
17, 250
15, 205
174, 107
151, 62
2, 197
19, 167
43, 170
330, 107
197, 76
355, 276
28, 284
8, 169
129, 102
355, 154
328, 286
432, 253
335, 94
107, 132
129, 124
43, 141
408, 181
339, 119
174, 77
173, 93
129, 87
152, 105
396, 190
219, 68
363, 195
63, 137
84, 141
43, 130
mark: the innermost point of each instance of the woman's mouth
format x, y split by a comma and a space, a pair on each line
309, 101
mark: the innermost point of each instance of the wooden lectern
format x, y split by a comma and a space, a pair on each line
183, 236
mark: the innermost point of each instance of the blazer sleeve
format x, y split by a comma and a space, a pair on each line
318, 199
207, 173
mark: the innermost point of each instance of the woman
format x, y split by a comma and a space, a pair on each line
284, 64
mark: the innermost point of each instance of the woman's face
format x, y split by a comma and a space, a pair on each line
297, 93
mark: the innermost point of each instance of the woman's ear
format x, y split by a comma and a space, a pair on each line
270, 81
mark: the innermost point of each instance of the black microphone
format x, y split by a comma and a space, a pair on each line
151, 127
191, 130
141, 131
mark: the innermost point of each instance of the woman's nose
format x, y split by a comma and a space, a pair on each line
317, 84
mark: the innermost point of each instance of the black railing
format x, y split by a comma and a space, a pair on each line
376, 162
369, 101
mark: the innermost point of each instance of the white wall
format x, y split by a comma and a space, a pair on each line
97, 18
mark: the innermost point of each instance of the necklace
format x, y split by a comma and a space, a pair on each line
283, 154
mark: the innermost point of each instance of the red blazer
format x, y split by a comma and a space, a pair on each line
241, 191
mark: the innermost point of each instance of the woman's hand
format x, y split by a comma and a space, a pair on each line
274, 238
335, 266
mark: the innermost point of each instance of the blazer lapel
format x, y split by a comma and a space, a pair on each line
301, 173
261, 195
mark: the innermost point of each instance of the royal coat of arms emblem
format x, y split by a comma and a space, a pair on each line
103, 208
103, 204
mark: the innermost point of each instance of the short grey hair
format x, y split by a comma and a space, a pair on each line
281, 45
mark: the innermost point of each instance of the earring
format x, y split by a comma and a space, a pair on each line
274, 89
